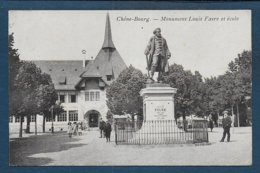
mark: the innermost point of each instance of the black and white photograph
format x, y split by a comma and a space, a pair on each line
130, 87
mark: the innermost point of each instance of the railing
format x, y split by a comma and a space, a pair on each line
160, 132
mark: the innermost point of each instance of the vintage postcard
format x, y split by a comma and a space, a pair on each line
130, 87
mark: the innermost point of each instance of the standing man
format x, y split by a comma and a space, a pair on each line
108, 130
158, 53
102, 128
226, 122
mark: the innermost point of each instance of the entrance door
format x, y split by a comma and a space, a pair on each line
93, 120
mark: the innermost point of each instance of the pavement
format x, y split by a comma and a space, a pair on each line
90, 150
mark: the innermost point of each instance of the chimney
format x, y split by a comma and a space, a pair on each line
84, 58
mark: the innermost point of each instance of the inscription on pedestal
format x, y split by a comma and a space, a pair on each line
160, 112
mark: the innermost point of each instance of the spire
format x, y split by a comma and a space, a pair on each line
108, 43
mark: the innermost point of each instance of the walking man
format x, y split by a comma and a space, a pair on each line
108, 130
158, 53
226, 122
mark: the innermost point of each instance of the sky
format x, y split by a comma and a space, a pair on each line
199, 40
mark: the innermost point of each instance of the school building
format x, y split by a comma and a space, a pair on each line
81, 86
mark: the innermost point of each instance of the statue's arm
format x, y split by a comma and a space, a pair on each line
148, 47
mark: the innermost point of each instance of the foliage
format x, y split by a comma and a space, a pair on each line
13, 67
233, 88
189, 96
123, 94
31, 91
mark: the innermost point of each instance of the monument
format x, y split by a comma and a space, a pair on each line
158, 98
158, 125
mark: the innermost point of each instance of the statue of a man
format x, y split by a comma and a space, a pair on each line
158, 53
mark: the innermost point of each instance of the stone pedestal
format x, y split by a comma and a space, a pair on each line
158, 102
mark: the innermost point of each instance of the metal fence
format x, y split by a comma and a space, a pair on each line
160, 132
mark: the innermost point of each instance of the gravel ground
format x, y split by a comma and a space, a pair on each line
89, 149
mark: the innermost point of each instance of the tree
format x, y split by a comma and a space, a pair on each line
241, 70
231, 90
188, 98
57, 110
34, 92
46, 96
26, 84
123, 94
13, 66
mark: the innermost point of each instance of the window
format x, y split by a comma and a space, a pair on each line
73, 115
72, 98
97, 96
62, 117
17, 119
92, 96
62, 98
32, 118
11, 119
87, 96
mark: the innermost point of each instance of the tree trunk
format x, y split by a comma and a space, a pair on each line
35, 125
238, 123
218, 118
184, 121
21, 127
233, 118
28, 118
43, 123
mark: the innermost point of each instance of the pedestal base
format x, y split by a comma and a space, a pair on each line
158, 102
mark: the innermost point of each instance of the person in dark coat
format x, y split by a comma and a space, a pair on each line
108, 130
102, 128
226, 122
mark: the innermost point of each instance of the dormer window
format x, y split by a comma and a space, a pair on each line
109, 77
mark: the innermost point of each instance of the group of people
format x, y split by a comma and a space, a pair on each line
105, 130
75, 129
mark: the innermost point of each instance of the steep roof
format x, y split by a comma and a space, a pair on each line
91, 71
108, 60
62, 70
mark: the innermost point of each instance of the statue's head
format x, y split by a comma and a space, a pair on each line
157, 32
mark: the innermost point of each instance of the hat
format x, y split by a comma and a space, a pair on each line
225, 112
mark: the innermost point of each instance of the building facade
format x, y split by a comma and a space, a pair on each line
81, 86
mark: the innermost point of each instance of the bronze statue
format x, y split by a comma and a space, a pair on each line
158, 53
